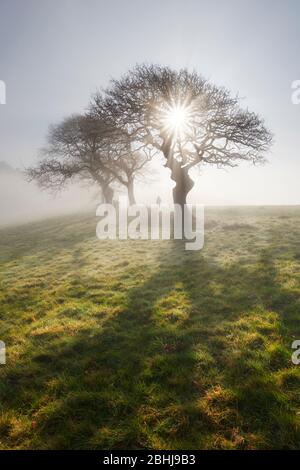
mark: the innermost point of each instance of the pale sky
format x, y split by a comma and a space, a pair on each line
55, 54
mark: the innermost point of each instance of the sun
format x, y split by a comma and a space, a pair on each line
176, 120
177, 117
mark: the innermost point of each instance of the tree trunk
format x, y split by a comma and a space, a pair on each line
183, 186
130, 189
184, 182
180, 175
108, 194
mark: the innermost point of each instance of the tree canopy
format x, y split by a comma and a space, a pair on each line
184, 117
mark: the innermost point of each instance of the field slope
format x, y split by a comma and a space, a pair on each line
137, 344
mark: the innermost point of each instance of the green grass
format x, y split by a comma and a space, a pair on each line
141, 344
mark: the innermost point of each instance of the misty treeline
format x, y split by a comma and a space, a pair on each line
151, 110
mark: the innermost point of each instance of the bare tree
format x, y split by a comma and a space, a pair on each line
85, 148
190, 121
126, 164
76, 150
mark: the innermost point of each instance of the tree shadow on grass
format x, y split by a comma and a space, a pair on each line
190, 362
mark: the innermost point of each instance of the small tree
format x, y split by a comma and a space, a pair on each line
85, 148
190, 121
126, 167
76, 150
124, 163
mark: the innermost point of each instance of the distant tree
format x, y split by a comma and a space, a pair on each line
125, 167
85, 148
124, 163
76, 150
185, 118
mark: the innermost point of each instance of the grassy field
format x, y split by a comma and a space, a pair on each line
141, 344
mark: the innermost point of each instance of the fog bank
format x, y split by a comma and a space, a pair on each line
21, 201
